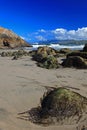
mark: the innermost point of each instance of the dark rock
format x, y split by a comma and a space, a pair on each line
6, 54
15, 57
85, 48
78, 53
65, 51
61, 103
75, 61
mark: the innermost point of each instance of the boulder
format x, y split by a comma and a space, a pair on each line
46, 57
62, 103
49, 62
65, 51
78, 53
59, 105
43, 52
75, 61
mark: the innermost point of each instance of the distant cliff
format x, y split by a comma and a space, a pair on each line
9, 39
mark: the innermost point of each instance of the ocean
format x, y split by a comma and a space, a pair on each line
57, 46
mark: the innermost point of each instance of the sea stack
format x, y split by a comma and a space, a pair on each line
8, 39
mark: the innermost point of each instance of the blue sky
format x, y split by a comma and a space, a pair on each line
45, 19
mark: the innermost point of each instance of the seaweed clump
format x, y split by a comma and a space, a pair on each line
62, 103
61, 106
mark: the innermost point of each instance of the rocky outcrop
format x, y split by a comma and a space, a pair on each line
9, 39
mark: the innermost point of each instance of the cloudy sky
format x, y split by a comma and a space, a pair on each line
37, 20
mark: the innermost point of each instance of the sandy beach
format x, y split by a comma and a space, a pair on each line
22, 84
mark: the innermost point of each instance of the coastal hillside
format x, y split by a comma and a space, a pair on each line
9, 39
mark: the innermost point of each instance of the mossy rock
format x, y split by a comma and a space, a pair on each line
62, 103
32, 53
46, 50
43, 52
61, 106
40, 57
3, 54
6, 54
75, 61
81, 54
65, 50
18, 53
49, 62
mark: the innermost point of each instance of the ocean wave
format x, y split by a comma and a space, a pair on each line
58, 46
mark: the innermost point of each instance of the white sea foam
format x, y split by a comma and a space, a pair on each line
58, 46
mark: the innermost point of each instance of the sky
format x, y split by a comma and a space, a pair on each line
35, 20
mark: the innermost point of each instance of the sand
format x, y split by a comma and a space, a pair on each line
22, 84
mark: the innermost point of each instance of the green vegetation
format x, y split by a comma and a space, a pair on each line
46, 57
49, 62
60, 106
75, 61
61, 103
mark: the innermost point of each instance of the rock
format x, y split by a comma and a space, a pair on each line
43, 52
78, 53
75, 61
49, 62
6, 54
62, 103
65, 51
15, 54
9, 39
85, 48
3, 54
46, 57
46, 50
59, 105
15, 57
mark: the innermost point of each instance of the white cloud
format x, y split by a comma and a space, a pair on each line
71, 32
80, 33
42, 30
59, 31
60, 34
40, 38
